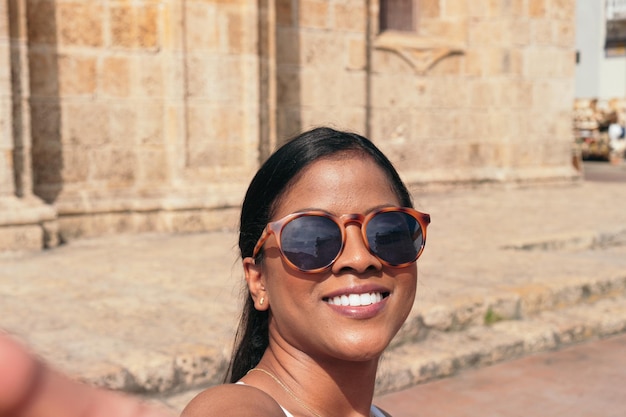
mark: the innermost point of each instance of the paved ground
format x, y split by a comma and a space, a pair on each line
581, 381
156, 313
604, 171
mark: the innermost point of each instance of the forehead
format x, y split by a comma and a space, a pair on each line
349, 184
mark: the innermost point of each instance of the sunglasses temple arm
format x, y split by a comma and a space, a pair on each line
260, 243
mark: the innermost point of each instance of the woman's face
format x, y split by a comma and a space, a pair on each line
301, 315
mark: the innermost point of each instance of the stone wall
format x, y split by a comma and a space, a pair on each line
481, 92
321, 65
152, 115
144, 113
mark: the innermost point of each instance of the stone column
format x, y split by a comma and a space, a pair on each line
25, 221
7, 183
267, 73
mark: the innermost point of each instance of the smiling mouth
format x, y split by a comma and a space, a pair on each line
357, 300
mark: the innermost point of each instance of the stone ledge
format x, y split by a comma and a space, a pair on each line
409, 362
27, 224
444, 354
24, 211
509, 304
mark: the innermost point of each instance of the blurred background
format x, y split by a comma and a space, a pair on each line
125, 125
152, 115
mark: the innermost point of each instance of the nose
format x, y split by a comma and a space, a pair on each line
355, 255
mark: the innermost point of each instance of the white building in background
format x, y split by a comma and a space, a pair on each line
601, 49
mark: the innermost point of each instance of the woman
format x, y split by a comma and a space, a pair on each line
329, 240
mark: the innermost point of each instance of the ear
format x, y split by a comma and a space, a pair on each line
255, 278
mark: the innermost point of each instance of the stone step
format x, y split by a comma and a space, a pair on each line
516, 303
444, 353
466, 316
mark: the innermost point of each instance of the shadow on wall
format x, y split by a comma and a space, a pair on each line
45, 109
288, 68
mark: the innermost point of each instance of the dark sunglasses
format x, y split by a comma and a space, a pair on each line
311, 241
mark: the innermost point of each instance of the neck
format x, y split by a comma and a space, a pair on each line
331, 387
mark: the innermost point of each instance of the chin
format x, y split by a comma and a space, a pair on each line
361, 351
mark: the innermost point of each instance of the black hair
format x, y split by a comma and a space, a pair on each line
269, 184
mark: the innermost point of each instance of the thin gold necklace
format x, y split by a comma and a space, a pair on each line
287, 390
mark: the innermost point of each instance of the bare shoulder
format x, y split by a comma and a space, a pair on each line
232, 400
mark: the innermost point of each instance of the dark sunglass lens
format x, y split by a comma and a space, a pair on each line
311, 242
395, 237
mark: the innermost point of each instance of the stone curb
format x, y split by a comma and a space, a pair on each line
500, 326
443, 354
515, 303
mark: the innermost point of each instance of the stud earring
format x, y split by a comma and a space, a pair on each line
262, 301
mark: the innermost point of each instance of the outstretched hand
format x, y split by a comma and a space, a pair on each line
28, 388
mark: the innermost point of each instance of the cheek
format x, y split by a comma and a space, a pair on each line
406, 288
288, 288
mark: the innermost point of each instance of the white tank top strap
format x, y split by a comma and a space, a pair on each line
376, 412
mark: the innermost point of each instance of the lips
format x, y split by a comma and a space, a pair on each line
357, 300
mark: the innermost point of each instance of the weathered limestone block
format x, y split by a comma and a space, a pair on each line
6, 134
320, 48
561, 9
150, 72
135, 26
494, 61
122, 26
5, 67
350, 17
85, 123
153, 166
543, 63
76, 74
124, 122
150, 119
455, 8
541, 32
22, 237
236, 35
115, 76
482, 33
114, 166
430, 8
79, 24
147, 26
454, 31
564, 33
537, 8
357, 54
314, 14
202, 30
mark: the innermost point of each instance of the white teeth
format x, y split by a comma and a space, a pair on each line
366, 299
356, 300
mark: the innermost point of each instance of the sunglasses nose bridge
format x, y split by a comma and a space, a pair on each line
355, 252
346, 219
